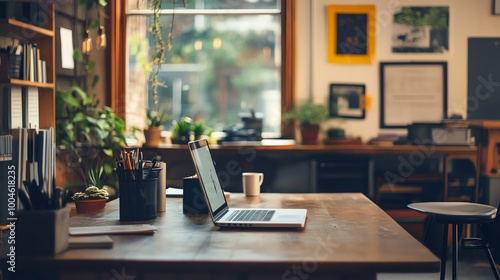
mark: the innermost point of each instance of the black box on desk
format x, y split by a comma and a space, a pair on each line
42, 232
441, 134
193, 200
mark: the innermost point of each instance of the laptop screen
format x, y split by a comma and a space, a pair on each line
207, 174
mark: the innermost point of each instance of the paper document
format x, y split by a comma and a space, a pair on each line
113, 229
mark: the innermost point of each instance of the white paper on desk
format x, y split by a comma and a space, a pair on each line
113, 229
174, 192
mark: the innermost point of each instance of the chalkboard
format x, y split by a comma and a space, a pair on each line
483, 88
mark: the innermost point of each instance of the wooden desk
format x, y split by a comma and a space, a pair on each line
346, 237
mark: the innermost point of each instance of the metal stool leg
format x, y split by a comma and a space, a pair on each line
455, 252
444, 251
492, 262
428, 222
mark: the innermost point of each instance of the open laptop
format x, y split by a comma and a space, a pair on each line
220, 212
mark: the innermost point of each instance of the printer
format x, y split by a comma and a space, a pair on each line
448, 132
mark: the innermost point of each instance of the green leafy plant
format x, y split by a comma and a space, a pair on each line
308, 113
90, 193
182, 128
199, 129
155, 118
185, 127
87, 135
96, 177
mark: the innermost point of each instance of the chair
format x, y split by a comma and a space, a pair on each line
458, 214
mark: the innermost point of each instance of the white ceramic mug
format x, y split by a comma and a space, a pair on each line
252, 182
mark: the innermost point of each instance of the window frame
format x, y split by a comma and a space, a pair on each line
117, 54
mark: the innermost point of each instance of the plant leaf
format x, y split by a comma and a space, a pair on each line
95, 80
77, 55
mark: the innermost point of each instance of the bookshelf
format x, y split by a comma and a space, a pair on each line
44, 37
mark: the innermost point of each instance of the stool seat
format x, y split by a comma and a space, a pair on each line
457, 212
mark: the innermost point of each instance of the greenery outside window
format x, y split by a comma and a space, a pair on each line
226, 60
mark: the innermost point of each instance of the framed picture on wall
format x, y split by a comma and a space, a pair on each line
351, 33
421, 30
412, 92
496, 7
347, 101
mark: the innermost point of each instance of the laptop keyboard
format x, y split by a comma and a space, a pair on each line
252, 215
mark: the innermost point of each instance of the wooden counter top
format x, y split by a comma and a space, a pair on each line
320, 148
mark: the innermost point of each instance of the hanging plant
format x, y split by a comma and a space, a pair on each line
160, 49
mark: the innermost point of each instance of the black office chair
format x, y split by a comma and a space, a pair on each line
458, 214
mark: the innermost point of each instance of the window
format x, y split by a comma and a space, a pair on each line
227, 59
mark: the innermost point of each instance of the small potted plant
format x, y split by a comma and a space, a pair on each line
95, 196
181, 130
155, 121
309, 116
199, 129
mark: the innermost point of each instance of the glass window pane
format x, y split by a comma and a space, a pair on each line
208, 4
219, 67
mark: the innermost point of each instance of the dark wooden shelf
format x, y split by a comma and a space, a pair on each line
25, 30
24, 83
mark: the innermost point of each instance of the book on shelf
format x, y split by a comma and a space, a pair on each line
5, 175
20, 107
22, 61
26, 155
11, 101
30, 107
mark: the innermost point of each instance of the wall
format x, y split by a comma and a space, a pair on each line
70, 15
314, 73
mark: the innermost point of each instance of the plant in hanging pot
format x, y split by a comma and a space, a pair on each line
309, 116
155, 121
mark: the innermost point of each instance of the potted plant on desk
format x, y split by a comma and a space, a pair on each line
95, 196
309, 116
92, 199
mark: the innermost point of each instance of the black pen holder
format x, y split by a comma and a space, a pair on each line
10, 65
41, 232
138, 194
193, 200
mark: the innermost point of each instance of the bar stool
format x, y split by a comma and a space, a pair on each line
457, 214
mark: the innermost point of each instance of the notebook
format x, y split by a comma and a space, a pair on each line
221, 214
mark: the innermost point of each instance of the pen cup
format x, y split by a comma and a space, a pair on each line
41, 232
138, 194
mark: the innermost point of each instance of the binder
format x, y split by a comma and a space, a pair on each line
12, 108
5, 180
31, 107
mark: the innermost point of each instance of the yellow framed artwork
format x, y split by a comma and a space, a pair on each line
351, 33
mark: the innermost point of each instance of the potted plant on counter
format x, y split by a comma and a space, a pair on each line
181, 130
155, 121
309, 116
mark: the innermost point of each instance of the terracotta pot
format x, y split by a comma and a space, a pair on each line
91, 205
153, 135
309, 134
